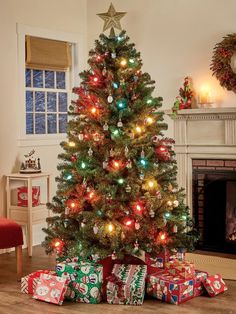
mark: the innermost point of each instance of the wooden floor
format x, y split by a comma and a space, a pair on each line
12, 301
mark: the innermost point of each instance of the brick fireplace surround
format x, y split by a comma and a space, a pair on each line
204, 138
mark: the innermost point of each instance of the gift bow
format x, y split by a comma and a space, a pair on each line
118, 282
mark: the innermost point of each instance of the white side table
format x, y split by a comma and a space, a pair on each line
30, 215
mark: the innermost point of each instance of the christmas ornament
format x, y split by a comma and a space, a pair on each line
184, 100
129, 164
95, 229
128, 188
137, 225
112, 152
67, 211
175, 229
73, 158
113, 55
175, 203
110, 99
90, 152
126, 151
113, 255
136, 246
104, 71
105, 127
96, 137
105, 164
141, 175
83, 223
151, 213
122, 82
120, 124
142, 155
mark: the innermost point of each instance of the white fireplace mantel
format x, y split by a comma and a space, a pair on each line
208, 133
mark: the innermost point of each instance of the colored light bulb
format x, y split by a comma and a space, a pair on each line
131, 60
169, 203
93, 110
123, 62
150, 184
69, 176
128, 222
115, 85
83, 165
71, 144
138, 129
149, 120
149, 101
138, 207
95, 79
120, 181
110, 227
167, 215
184, 217
163, 236
115, 132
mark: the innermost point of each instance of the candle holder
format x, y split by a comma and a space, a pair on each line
205, 99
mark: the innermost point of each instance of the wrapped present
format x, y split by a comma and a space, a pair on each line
159, 261
170, 288
22, 196
29, 282
126, 285
85, 280
51, 288
214, 285
182, 269
200, 277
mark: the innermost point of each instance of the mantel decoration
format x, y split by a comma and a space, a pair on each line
31, 164
185, 97
221, 62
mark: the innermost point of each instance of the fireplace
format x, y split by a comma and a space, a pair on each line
206, 157
214, 204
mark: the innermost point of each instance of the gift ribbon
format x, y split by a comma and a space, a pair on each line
118, 282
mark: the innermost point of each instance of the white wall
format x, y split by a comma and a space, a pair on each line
54, 15
175, 38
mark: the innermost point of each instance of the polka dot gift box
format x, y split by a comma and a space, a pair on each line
85, 280
215, 285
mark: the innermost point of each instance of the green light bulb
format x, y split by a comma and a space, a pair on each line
120, 181
83, 165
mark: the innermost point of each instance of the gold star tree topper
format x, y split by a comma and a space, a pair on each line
111, 19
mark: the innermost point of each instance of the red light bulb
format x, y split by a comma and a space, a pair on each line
95, 79
128, 222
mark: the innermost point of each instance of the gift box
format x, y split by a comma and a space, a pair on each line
29, 282
182, 269
126, 285
22, 196
159, 261
170, 288
200, 277
85, 280
51, 288
214, 285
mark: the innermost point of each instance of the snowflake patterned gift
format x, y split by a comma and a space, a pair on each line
126, 285
29, 282
51, 289
215, 285
169, 288
183, 269
85, 280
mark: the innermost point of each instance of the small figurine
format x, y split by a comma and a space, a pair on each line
30, 165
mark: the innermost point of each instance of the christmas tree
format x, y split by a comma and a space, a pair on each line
117, 192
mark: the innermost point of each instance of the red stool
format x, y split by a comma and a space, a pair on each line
11, 236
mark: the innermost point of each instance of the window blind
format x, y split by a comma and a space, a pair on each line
47, 54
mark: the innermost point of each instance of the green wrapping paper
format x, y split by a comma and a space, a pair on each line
85, 281
126, 285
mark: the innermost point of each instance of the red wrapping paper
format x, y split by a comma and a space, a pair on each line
182, 269
215, 285
29, 282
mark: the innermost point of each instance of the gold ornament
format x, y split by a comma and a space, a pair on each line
111, 19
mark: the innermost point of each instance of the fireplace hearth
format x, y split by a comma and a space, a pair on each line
214, 204
206, 157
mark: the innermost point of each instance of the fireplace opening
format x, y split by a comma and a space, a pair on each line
214, 208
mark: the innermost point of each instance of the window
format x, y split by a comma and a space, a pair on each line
45, 83
46, 101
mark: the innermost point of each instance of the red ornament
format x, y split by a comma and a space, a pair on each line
163, 153
73, 158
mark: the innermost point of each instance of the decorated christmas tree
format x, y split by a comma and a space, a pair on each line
117, 192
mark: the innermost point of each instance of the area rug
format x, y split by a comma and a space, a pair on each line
214, 265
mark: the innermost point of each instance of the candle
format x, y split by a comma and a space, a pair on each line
205, 96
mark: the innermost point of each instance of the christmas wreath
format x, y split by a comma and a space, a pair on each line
221, 62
